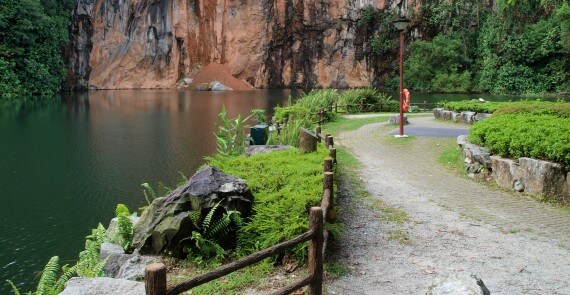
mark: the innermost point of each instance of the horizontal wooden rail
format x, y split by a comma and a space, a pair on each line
244, 262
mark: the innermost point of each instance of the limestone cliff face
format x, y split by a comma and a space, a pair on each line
269, 43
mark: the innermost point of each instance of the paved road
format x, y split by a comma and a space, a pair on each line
517, 245
432, 132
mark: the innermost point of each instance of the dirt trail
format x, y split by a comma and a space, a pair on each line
515, 244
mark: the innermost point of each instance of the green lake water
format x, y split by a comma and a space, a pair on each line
64, 166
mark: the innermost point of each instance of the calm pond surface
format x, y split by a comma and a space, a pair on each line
64, 166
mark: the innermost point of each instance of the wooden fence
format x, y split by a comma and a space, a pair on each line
317, 235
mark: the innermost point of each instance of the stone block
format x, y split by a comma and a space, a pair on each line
438, 113
102, 285
461, 140
505, 172
133, 268
395, 120
477, 154
481, 116
466, 117
542, 177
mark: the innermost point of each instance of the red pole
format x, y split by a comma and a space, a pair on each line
401, 82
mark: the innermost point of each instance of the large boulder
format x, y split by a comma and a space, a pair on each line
102, 285
166, 222
395, 120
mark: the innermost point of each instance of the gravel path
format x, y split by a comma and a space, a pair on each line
515, 244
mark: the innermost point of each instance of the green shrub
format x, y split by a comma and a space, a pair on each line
319, 99
292, 113
289, 134
517, 135
364, 100
285, 185
491, 107
230, 137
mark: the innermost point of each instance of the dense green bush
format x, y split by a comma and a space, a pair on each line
366, 100
32, 35
525, 135
521, 49
439, 65
491, 107
285, 185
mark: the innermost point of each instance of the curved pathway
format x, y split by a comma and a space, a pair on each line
515, 244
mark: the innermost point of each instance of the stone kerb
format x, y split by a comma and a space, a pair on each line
463, 117
532, 176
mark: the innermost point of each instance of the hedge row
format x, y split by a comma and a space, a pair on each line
491, 107
514, 135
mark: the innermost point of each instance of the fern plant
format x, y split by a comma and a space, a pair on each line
209, 233
124, 234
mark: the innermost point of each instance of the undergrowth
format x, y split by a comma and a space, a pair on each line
285, 185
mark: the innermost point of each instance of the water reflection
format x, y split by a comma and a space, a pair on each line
66, 164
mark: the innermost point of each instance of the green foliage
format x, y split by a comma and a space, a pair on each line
367, 17
289, 134
366, 100
259, 116
124, 234
292, 113
521, 51
506, 107
90, 263
438, 65
285, 184
515, 135
148, 192
32, 34
319, 99
209, 233
231, 134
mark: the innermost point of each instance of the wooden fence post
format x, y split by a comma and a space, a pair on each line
317, 132
316, 251
328, 165
330, 141
332, 154
155, 279
278, 127
328, 184
336, 107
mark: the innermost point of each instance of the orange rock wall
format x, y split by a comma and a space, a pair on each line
281, 43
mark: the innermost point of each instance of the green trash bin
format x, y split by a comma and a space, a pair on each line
259, 134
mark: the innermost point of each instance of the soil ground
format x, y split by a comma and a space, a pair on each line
515, 244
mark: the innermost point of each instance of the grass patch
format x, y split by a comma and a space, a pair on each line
344, 124
335, 269
451, 158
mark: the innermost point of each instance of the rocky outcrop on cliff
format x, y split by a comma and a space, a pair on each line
279, 43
